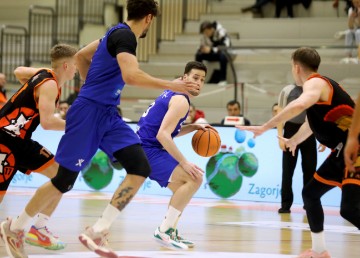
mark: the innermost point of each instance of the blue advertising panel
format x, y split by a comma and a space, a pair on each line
244, 169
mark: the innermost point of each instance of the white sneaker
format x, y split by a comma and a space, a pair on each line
169, 239
97, 242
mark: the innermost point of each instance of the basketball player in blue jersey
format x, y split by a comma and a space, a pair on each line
93, 122
329, 110
160, 123
33, 104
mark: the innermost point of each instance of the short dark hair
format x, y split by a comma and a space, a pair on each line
206, 25
233, 102
138, 9
307, 57
195, 65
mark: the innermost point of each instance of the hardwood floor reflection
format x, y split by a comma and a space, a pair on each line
214, 225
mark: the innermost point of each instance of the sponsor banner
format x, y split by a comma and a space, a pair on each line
244, 169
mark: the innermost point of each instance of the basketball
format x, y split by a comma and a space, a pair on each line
206, 143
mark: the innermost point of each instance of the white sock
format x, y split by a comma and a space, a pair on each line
318, 242
20, 222
41, 220
170, 220
108, 217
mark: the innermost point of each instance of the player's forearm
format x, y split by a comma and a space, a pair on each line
185, 129
290, 111
23, 74
169, 145
302, 134
142, 79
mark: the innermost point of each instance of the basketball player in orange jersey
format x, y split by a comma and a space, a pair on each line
329, 110
160, 123
33, 104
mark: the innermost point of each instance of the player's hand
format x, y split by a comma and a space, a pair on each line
321, 147
179, 85
351, 153
193, 170
204, 127
291, 145
257, 130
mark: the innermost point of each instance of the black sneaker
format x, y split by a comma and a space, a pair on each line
283, 210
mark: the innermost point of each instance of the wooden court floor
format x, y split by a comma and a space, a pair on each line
219, 228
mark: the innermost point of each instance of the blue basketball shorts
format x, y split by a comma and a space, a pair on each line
162, 165
89, 127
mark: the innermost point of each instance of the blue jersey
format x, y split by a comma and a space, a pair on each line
104, 81
150, 122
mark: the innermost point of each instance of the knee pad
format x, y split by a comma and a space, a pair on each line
134, 160
64, 179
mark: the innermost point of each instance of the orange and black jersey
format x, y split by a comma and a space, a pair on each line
331, 120
20, 115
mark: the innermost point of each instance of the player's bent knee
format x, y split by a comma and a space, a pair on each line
65, 179
134, 160
51, 171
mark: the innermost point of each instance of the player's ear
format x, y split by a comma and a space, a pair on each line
149, 18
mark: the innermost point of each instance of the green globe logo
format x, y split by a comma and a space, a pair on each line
225, 171
98, 174
223, 179
247, 164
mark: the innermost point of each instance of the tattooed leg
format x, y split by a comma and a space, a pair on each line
126, 191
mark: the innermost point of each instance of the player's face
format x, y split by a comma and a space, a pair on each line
149, 19
197, 76
71, 68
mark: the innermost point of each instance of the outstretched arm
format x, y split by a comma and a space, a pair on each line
312, 91
352, 144
133, 75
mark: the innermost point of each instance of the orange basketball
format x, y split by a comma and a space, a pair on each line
206, 143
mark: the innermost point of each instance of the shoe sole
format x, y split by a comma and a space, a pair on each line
2, 230
53, 248
169, 245
188, 245
89, 244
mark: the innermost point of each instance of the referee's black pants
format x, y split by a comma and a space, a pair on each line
308, 163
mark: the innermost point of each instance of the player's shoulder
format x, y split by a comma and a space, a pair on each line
179, 100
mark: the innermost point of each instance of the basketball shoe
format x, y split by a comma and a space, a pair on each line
42, 237
14, 241
312, 254
187, 242
97, 242
169, 239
